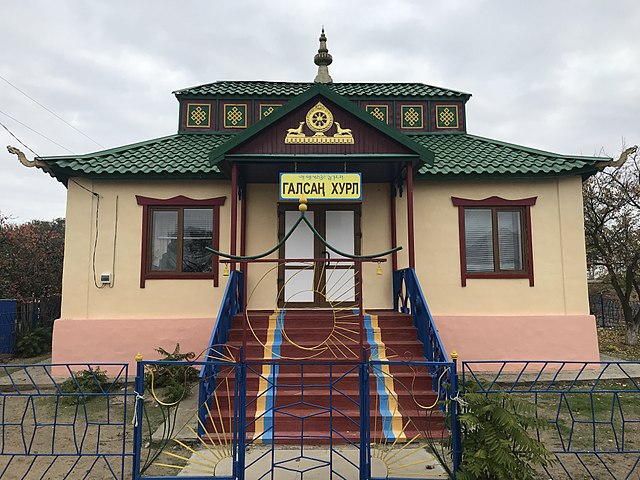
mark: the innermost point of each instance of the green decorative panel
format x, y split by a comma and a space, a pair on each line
267, 109
446, 116
198, 115
235, 115
411, 116
380, 112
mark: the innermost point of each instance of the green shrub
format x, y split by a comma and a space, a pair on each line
174, 380
496, 444
34, 343
86, 382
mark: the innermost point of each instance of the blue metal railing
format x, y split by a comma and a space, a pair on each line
410, 300
231, 304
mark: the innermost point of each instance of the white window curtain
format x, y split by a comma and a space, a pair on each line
164, 244
510, 240
478, 233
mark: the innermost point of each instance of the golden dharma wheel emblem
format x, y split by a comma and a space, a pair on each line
319, 118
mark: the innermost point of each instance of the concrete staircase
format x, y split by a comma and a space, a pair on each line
311, 390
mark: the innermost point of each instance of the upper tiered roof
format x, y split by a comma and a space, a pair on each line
288, 89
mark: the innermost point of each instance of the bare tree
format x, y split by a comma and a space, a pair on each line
612, 231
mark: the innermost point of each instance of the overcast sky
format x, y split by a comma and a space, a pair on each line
556, 75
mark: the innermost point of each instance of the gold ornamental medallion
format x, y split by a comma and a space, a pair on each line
319, 119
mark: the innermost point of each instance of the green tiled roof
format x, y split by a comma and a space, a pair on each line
285, 89
171, 155
455, 155
463, 154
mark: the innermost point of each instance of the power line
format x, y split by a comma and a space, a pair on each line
36, 132
18, 140
51, 111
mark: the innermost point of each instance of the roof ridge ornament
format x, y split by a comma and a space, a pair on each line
323, 59
25, 161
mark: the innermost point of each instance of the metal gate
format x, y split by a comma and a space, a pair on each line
294, 419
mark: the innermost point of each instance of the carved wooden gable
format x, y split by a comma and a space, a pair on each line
319, 126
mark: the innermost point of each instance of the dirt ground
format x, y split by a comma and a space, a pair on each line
85, 438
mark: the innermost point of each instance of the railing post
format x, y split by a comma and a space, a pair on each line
396, 288
359, 294
138, 398
365, 434
202, 398
241, 415
242, 281
456, 434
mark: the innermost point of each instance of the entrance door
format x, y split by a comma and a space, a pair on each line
306, 283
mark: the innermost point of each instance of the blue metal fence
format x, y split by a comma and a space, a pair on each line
69, 421
72, 428
592, 411
8, 310
608, 310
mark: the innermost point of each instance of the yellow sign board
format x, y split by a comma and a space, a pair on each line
321, 186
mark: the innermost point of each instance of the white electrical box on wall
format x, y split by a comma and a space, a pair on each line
105, 278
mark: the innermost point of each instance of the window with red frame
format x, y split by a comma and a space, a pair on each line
176, 234
495, 238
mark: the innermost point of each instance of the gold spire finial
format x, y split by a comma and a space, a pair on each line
323, 59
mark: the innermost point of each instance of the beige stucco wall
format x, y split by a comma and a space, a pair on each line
558, 250
160, 298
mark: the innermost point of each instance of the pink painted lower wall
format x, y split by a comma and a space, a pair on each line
534, 337
546, 337
120, 340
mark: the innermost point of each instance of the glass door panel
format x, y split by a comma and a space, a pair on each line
340, 231
339, 277
298, 276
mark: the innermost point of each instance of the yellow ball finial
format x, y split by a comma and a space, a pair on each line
225, 272
303, 204
138, 357
454, 355
379, 269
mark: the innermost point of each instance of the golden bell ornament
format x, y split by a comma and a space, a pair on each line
303, 204
379, 269
225, 272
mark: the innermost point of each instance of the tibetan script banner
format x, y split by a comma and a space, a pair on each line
321, 186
